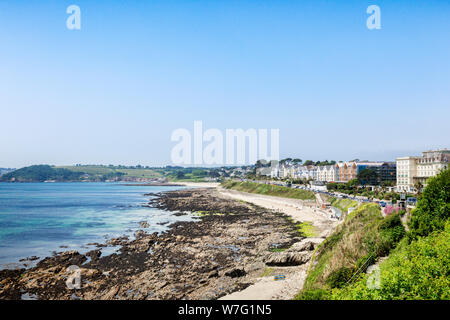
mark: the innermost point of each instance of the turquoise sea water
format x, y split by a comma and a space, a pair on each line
38, 218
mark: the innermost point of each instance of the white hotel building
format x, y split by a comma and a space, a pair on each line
411, 170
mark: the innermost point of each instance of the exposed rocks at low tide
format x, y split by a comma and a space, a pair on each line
224, 251
299, 253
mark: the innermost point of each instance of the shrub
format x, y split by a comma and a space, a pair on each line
417, 271
357, 243
339, 278
433, 207
316, 294
391, 231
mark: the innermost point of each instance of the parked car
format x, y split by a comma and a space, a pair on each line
411, 201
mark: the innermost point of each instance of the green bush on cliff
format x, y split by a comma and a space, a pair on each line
433, 207
355, 244
391, 232
419, 270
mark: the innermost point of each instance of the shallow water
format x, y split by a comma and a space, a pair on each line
38, 218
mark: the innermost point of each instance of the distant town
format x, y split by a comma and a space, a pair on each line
406, 174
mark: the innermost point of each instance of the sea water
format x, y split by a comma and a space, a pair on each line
37, 219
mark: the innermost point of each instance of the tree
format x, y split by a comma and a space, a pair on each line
418, 186
180, 175
259, 163
387, 183
332, 186
352, 183
287, 160
433, 207
308, 163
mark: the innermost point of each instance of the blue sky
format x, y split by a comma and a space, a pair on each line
114, 91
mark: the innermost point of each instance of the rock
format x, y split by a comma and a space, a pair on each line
139, 234
94, 254
63, 259
287, 258
213, 274
144, 224
118, 241
111, 293
254, 266
180, 239
305, 245
235, 273
32, 258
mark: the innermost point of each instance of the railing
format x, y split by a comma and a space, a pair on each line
360, 268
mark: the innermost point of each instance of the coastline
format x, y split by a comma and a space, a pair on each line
39, 219
232, 246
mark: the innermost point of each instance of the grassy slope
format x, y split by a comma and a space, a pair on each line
268, 189
189, 174
101, 170
343, 204
356, 243
419, 270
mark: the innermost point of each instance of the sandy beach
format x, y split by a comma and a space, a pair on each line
299, 210
200, 184
266, 288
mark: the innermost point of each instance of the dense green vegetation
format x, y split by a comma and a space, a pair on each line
343, 204
420, 270
40, 173
268, 189
353, 187
186, 174
417, 265
433, 207
356, 243
101, 172
79, 172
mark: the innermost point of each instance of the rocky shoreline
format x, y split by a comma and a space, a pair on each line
224, 251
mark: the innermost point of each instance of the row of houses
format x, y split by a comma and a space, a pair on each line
407, 173
339, 172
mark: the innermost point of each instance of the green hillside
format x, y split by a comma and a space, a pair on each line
269, 189
114, 171
40, 173
355, 244
343, 204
